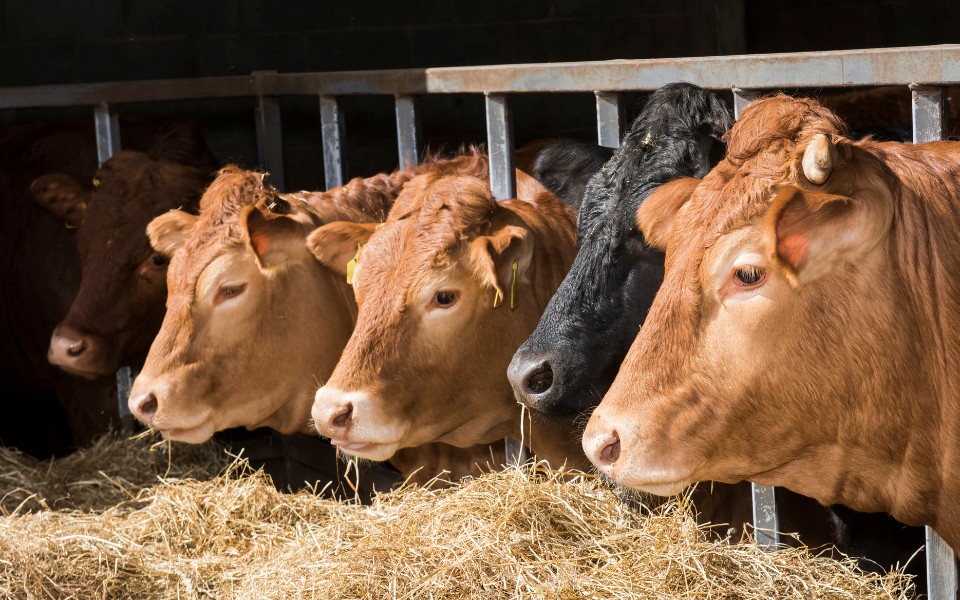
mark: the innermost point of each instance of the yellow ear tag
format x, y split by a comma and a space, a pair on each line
353, 265
96, 182
514, 300
496, 300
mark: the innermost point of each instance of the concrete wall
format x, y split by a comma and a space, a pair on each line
47, 41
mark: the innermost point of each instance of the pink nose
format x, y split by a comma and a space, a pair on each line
333, 420
602, 445
144, 406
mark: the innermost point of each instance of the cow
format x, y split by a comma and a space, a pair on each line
447, 289
254, 323
810, 294
120, 303
47, 411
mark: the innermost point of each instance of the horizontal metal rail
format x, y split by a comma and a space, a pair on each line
925, 69
888, 66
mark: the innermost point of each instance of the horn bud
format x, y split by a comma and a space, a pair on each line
818, 159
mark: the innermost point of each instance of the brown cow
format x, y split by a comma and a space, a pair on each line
120, 304
807, 333
41, 276
447, 288
254, 323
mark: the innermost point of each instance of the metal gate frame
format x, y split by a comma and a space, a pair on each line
924, 69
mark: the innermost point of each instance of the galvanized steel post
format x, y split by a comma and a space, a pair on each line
409, 130
611, 118
741, 98
108, 131
270, 139
503, 177
766, 522
334, 133
929, 125
503, 185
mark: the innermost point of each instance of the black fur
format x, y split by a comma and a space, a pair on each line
595, 315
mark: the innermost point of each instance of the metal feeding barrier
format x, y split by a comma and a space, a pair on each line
926, 70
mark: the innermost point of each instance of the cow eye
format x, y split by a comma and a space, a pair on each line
445, 298
748, 275
229, 291
159, 260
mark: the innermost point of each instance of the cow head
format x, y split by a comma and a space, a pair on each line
571, 359
778, 283
447, 290
253, 322
119, 305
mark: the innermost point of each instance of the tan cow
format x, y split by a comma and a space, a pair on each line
807, 333
254, 323
447, 289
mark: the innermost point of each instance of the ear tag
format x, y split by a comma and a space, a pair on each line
496, 300
96, 182
380, 225
514, 299
353, 265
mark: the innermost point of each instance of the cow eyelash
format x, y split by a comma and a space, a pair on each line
228, 292
748, 275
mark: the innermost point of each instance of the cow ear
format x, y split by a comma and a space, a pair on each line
64, 195
336, 244
812, 234
170, 231
657, 213
502, 261
274, 239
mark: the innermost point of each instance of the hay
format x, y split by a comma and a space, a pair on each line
510, 534
113, 469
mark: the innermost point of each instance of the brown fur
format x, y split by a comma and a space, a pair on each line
450, 386
851, 373
263, 366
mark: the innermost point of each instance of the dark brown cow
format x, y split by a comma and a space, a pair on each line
120, 304
807, 333
41, 276
447, 289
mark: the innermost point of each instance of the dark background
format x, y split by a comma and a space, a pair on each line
49, 42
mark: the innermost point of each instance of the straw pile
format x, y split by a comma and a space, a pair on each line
509, 534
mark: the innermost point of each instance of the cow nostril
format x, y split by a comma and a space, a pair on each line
342, 417
76, 348
541, 381
611, 452
149, 406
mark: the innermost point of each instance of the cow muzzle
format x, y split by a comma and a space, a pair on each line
147, 404
352, 423
80, 353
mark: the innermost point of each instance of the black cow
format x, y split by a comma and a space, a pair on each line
571, 359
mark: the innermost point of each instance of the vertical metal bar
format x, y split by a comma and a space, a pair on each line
108, 131
929, 113
409, 130
270, 139
766, 524
941, 568
741, 98
503, 177
611, 119
929, 125
334, 130
125, 377
516, 452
